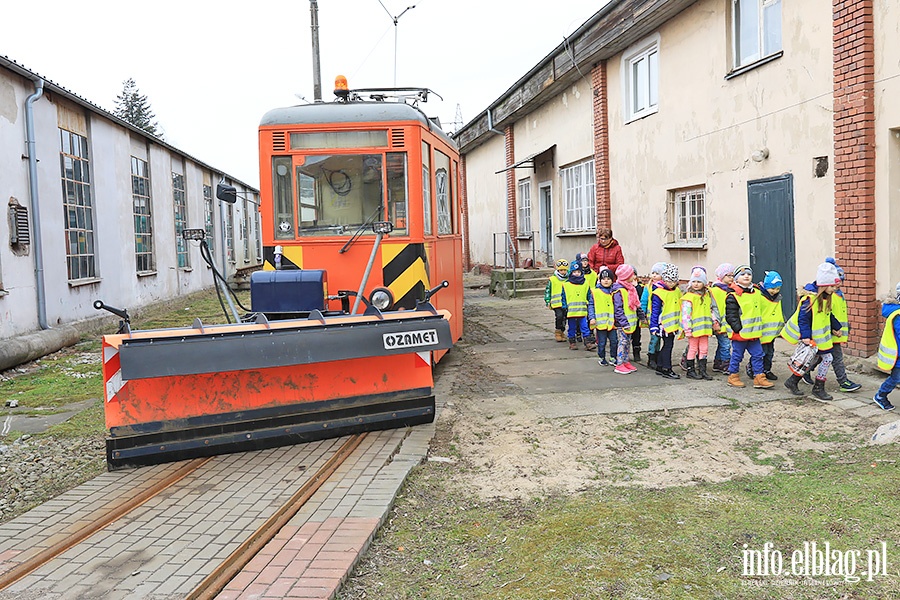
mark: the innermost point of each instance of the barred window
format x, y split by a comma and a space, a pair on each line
209, 218
687, 220
580, 212
141, 209
77, 205
245, 231
524, 208
180, 201
229, 232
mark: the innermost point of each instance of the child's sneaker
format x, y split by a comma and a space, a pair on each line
631, 367
622, 369
884, 403
849, 386
603, 362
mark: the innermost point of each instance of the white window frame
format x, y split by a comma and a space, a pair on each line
78, 207
179, 203
687, 222
524, 221
640, 79
579, 197
765, 34
142, 209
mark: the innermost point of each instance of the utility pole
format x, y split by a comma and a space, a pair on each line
317, 73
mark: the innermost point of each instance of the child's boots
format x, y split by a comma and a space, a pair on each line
560, 335
734, 380
691, 371
760, 382
701, 368
651, 360
572, 345
819, 390
791, 384
589, 344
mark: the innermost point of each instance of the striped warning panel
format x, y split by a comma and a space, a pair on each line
291, 259
112, 372
405, 272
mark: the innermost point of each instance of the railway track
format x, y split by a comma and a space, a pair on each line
117, 536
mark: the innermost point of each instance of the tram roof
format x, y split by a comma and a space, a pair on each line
351, 112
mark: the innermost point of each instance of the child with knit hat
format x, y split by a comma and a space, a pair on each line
887, 350
553, 297
699, 318
656, 273
577, 300
589, 275
665, 322
743, 318
772, 315
719, 290
626, 305
602, 319
814, 323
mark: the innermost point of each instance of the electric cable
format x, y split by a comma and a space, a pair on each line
207, 258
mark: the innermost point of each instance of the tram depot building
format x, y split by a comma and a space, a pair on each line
112, 201
764, 132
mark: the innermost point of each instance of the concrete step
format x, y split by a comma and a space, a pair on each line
525, 282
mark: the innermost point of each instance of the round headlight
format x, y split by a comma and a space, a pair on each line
381, 298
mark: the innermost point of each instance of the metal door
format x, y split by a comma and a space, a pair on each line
771, 206
546, 221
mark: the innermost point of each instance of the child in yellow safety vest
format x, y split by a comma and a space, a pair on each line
719, 290
744, 320
665, 322
699, 319
814, 323
626, 314
656, 273
602, 317
553, 297
887, 349
575, 296
772, 315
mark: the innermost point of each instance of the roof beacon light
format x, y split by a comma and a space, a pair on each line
340, 87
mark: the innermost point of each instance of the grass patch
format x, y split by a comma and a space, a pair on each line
684, 542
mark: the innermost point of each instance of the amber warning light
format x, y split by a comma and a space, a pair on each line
340, 87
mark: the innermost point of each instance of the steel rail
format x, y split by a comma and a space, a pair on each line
216, 581
81, 534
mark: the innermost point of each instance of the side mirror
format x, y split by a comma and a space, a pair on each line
226, 193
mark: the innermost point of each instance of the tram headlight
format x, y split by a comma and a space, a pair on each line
381, 298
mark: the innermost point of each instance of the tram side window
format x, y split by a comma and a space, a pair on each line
396, 189
426, 188
442, 192
283, 201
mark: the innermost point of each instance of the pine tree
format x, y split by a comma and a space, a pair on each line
132, 106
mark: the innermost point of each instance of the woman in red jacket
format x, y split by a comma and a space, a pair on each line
606, 252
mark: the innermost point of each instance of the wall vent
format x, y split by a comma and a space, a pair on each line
279, 141
398, 139
19, 234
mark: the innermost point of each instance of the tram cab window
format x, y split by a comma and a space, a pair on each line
442, 193
283, 202
396, 190
426, 189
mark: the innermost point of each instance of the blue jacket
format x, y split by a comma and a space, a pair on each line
804, 319
656, 306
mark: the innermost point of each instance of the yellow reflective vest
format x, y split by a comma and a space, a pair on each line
751, 322
701, 313
630, 313
670, 314
839, 310
887, 349
719, 296
556, 287
603, 310
772, 318
591, 279
821, 324
576, 299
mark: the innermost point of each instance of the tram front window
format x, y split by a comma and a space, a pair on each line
337, 194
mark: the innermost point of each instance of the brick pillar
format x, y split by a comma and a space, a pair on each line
511, 217
601, 145
464, 211
854, 167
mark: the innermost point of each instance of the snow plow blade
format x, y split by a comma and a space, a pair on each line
175, 394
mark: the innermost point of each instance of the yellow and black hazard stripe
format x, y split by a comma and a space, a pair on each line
405, 272
291, 259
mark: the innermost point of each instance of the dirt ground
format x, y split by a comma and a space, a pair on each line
506, 449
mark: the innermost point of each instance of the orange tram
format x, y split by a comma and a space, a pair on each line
360, 294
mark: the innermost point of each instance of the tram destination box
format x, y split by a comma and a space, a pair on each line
290, 291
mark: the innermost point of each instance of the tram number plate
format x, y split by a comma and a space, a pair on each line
410, 339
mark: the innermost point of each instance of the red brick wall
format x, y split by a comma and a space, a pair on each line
601, 145
854, 167
464, 211
511, 217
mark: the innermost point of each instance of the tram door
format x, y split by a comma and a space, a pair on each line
546, 221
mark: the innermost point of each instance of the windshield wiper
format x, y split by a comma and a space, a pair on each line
372, 218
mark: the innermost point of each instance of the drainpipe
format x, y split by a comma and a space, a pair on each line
491, 123
35, 203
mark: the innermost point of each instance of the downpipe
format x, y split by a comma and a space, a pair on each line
35, 202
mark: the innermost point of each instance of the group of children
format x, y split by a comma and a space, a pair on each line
609, 308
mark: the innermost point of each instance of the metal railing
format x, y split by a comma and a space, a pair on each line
509, 253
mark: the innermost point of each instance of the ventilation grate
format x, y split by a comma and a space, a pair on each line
398, 139
18, 225
278, 142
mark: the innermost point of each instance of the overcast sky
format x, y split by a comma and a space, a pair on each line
211, 72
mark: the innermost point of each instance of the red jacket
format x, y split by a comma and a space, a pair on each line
610, 257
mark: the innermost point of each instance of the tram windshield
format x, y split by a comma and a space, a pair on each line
337, 194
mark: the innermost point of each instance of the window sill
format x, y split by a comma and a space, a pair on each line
146, 273
81, 282
685, 246
592, 233
644, 113
524, 237
741, 70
